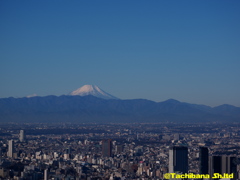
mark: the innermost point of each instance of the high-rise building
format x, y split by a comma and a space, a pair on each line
223, 164
10, 148
214, 165
176, 137
107, 148
21, 136
68, 150
178, 159
46, 174
119, 148
203, 160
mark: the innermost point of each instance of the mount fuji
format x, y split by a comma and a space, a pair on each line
92, 90
90, 104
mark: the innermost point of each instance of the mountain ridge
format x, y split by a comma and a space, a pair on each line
68, 108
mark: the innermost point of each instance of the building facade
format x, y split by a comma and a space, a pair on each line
107, 148
178, 159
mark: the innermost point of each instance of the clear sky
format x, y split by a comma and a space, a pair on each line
159, 49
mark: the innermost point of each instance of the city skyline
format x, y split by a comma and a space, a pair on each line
113, 151
158, 50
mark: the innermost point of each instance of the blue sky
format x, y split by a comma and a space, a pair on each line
186, 50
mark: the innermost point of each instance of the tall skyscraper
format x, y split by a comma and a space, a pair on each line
107, 148
21, 136
119, 148
46, 174
223, 164
214, 165
176, 137
68, 150
178, 159
10, 148
203, 160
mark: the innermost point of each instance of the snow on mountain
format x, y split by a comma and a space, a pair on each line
92, 90
32, 95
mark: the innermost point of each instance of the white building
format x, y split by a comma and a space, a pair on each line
10, 148
21, 136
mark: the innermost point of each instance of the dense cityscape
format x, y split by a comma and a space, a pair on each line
118, 151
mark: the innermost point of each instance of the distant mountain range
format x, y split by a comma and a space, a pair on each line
91, 104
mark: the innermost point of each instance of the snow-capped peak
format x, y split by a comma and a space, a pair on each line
32, 95
92, 90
